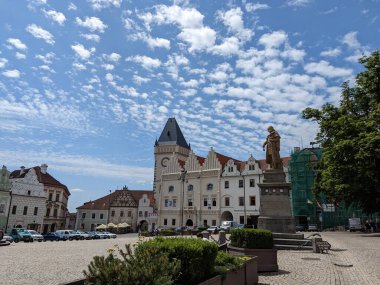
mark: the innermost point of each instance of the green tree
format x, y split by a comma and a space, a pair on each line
350, 136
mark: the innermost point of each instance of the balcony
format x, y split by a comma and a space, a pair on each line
189, 208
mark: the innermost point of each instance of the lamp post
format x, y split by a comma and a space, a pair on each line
182, 178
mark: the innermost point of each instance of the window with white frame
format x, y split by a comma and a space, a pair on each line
251, 182
174, 202
226, 184
214, 202
171, 188
210, 186
190, 187
227, 201
190, 202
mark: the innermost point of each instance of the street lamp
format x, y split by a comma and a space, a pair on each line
182, 178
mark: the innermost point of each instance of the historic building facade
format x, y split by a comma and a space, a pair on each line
5, 196
191, 190
39, 201
134, 207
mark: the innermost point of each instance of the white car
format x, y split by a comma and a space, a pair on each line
83, 235
110, 235
36, 235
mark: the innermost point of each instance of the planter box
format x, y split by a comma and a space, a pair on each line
267, 258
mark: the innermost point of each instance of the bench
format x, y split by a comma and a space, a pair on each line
323, 246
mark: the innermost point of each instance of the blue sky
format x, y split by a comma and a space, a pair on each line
87, 86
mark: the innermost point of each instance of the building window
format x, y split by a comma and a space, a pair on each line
140, 213
230, 168
165, 222
241, 219
226, 184
173, 222
55, 213
83, 215
251, 167
241, 183
205, 222
190, 187
14, 208
29, 192
227, 201
121, 213
25, 212
251, 182
241, 201
47, 212
57, 197
214, 202
210, 187
171, 188
93, 215
166, 202
50, 196
2, 207
101, 216
205, 202
213, 222
112, 213
190, 202
146, 214
252, 200
35, 211
129, 214
174, 202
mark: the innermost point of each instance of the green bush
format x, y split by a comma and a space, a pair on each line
251, 238
197, 256
145, 234
167, 232
225, 261
146, 266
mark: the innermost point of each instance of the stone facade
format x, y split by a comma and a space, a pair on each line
5, 197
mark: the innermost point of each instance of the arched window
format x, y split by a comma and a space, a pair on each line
190, 187
171, 188
210, 186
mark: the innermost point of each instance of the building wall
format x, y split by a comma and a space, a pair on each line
5, 196
88, 220
56, 208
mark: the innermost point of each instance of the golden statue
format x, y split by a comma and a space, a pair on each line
273, 149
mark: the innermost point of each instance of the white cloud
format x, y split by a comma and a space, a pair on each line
55, 16
79, 66
158, 42
252, 7
40, 33
114, 57
185, 17
75, 190
145, 61
91, 37
199, 39
298, 3
3, 62
140, 80
332, 52
82, 52
101, 4
273, 40
325, 69
17, 43
233, 20
72, 7
20, 55
92, 23
47, 58
350, 39
230, 46
14, 73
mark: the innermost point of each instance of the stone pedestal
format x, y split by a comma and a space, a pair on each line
275, 211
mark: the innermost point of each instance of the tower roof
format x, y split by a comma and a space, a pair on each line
172, 134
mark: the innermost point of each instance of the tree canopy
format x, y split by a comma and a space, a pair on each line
350, 136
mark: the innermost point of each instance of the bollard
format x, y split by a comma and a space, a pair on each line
222, 237
315, 246
205, 234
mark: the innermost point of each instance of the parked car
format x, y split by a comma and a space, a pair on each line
21, 234
300, 228
52, 236
102, 235
228, 225
93, 235
213, 229
312, 228
36, 235
240, 226
110, 235
68, 234
83, 235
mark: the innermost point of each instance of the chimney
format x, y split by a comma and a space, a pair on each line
44, 168
22, 169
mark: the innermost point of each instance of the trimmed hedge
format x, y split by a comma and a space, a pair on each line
252, 238
197, 257
167, 232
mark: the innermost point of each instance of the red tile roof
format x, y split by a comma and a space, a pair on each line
201, 160
224, 159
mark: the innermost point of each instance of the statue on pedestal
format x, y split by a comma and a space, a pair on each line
273, 149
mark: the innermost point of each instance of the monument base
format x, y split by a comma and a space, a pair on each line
277, 224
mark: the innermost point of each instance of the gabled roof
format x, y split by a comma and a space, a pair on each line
44, 178
104, 202
172, 134
224, 159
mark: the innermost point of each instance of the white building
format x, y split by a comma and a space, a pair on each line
191, 190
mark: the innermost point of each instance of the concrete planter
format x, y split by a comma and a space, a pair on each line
267, 258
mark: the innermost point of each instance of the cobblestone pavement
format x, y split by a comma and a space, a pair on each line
354, 259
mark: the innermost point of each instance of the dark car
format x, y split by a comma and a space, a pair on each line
53, 237
300, 228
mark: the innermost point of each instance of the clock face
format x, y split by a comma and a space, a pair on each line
164, 161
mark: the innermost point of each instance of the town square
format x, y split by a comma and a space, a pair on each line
189, 142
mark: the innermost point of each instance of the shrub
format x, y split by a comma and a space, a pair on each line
251, 238
197, 256
167, 232
145, 234
147, 266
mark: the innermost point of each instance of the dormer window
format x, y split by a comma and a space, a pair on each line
171, 188
251, 167
210, 187
230, 169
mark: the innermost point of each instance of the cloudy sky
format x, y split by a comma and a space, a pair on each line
87, 86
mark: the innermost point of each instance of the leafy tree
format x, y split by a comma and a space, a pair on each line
350, 136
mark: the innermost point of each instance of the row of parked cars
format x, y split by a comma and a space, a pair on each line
21, 234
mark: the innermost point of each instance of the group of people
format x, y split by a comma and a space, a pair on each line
370, 225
